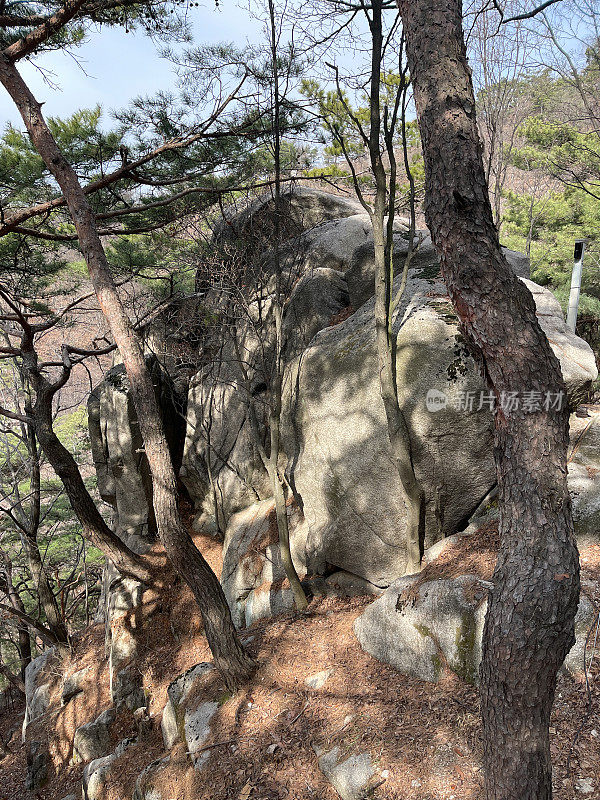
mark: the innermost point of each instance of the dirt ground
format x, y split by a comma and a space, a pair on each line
424, 737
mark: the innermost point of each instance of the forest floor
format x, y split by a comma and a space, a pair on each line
423, 737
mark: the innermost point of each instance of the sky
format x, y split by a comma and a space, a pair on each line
118, 66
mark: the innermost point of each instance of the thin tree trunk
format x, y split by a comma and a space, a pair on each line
529, 625
277, 382
398, 431
23, 636
229, 655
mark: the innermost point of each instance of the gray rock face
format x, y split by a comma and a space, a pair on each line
218, 434
37, 766
37, 688
584, 619
173, 718
122, 596
95, 776
304, 208
338, 447
126, 687
351, 777
314, 302
440, 625
584, 478
576, 358
97, 773
93, 740
196, 730
121, 466
253, 574
335, 432
360, 271
443, 625
145, 788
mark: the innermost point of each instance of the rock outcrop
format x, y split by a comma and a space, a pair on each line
336, 453
428, 629
117, 449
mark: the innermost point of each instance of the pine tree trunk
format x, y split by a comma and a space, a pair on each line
529, 625
230, 657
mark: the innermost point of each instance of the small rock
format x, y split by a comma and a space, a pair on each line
144, 785
416, 783
143, 721
585, 785
95, 776
319, 679
127, 689
351, 777
177, 693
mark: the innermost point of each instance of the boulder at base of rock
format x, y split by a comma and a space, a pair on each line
173, 718
93, 740
584, 478
421, 629
351, 777
253, 575
577, 361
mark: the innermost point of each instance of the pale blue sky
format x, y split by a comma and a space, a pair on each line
121, 66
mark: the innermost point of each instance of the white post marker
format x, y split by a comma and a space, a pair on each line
575, 284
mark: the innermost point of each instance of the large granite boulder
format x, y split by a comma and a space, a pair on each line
220, 457
339, 457
426, 629
303, 207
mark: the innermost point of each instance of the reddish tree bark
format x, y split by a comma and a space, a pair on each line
529, 625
